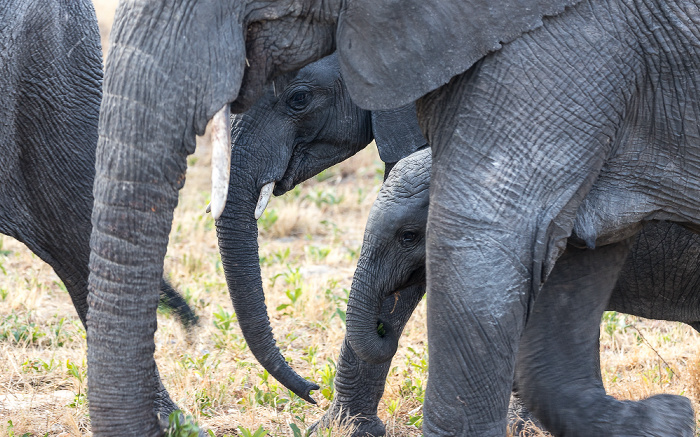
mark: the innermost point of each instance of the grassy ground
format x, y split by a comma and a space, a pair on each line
310, 240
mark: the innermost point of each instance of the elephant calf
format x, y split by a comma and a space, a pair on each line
657, 281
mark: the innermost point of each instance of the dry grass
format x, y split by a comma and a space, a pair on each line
312, 245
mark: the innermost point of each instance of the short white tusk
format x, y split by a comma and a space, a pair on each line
264, 198
218, 135
208, 210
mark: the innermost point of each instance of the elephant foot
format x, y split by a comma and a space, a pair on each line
162, 404
357, 426
521, 422
662, 416
165, 426
657, 416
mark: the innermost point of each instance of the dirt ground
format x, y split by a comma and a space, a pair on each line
310, 241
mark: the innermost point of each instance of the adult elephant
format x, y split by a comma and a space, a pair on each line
564, 109
658, 280
50, 91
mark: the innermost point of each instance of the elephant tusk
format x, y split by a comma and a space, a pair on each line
218, 135
208, 210
264, 198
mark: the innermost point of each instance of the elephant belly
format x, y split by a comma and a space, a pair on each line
654, 174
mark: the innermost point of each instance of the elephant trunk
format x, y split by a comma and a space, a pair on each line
372, 334
237, 231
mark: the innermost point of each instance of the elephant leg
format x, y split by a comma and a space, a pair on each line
558, 368
519, 417
359, 388
162, 405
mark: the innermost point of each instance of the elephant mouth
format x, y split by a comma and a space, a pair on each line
284, 185
417, 277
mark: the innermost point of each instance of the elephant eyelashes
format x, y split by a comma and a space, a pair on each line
408, 237
299, 100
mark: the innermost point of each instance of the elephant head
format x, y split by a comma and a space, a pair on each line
310, 122
391, 267
173, 65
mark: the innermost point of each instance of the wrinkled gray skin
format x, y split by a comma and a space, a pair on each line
527, 117
309, 121
587, 127
658, 280
50, 91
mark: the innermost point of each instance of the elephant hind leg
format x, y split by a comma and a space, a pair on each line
558, 370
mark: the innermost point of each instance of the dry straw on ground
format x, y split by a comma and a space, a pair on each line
310, 240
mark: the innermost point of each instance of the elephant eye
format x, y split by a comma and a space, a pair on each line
299, 100
408, 237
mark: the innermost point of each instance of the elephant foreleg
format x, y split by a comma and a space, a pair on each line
558, 371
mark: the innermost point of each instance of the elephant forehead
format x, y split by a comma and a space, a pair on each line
410, 177
324, 71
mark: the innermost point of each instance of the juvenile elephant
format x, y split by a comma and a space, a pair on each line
547, 119
658, 280
50, 91
307, 123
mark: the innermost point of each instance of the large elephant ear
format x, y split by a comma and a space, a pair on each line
394, 51
397, 133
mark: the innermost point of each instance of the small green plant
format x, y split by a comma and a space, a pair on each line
61, 286
293, 296
80, 375
361, 195
296, 432
381, 330
2, 251
310, 355
38, 365
268, 218
333, 229
223, 320
201, 366
20, 330
339, 301
318, 254
321, 197
415, 418
260, 432
353, 254
59, 337
11, 431
292, 277
180, 425
614, 322
281, 255
293, 195
328, 373
413, 387
392, 407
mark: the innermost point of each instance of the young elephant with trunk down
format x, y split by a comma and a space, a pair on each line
306, 122
658, 280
